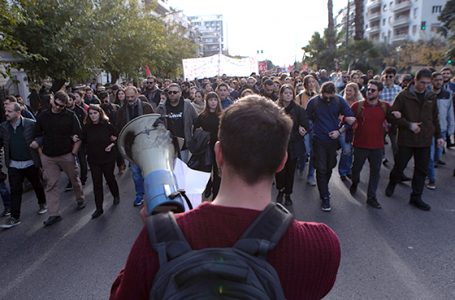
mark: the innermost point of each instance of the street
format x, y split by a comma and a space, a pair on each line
397, 252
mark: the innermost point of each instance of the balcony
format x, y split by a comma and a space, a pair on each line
400, 21
374, 16
400, 37
374, 29
373, 4
403, 5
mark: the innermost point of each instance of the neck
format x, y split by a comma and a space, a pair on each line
419, 91
174, 102
96, 122
234, 192
212, 110
373, 101
390, 84
13, 121
285, 103
54, 110
436, 91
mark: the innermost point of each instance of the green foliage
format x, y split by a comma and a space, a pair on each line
75, 39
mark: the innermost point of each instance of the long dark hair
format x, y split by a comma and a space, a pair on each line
218, 109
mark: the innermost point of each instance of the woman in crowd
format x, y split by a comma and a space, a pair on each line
310, 89
120, 97
198, 101
285, 178
78, 100
246, 92
351, 94
209, 120
99, 136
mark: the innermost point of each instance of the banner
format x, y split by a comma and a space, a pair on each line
217, 65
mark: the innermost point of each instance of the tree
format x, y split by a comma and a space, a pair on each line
447, 18
331, 26
360, 55
317, 53
358, 19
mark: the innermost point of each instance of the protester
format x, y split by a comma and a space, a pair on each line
285, 178
417, 126
198, 102
307, 257
99, 136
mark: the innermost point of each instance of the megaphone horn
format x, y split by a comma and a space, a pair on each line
146, 142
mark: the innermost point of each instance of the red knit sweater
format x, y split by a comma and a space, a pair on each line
306, 259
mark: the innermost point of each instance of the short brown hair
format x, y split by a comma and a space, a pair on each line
62, 96
328, 87
254, 134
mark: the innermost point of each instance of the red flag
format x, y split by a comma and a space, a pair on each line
147, 71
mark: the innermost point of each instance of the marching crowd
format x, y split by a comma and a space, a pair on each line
75, 129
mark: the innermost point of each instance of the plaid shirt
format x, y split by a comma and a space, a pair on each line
389, 94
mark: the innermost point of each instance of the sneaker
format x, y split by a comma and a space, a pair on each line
138, 201
279, 197
311, 181
373, 202
97, 213
6, 213
353, 188
288, 200
390, 189
11, 222
52, 220
69, 187
420, 204
42, 209
80, 205
325, 206
431, 185
116, 200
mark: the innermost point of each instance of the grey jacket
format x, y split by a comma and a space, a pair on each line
189, 116
29, 131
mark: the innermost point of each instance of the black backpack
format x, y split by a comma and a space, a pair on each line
240, 272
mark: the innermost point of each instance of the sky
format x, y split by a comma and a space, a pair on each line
278, 28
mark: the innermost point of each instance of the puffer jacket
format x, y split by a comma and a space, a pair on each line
412, 110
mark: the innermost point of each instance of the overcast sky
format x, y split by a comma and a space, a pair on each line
278, 28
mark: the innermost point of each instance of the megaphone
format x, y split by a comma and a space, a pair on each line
146, 142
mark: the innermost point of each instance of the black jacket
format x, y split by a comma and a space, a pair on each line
299, 118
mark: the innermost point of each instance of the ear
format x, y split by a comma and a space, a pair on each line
218, 155
283, 163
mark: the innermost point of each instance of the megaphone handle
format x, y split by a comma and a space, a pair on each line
183, 194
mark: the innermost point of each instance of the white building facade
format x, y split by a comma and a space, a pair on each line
211, 29
392, 21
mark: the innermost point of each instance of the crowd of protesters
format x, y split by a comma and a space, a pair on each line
72, 129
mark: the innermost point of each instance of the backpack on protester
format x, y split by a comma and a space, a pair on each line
238, 272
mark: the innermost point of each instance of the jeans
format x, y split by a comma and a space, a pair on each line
374, 157
344, 167
308, 148
325, 159
433, 159
137, 179
421, 159
6, 197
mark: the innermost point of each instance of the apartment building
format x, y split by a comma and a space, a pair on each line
391, 21
211, 29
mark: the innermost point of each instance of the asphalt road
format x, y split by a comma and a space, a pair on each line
398, 252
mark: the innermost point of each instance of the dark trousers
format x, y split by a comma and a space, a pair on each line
82, 156
421, 161
325, 159
374, 157
98, 170
16, 180
285, 178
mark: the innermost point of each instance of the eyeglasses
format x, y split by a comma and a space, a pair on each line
173, 92
390, 76
372, 90
59, 105
150, 82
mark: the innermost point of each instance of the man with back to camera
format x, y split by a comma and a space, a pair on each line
308, 255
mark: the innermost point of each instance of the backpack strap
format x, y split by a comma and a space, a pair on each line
265, 231
166, 237
359, 108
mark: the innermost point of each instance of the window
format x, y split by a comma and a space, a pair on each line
414, 29
436, 9
384, 8
415, 12
383, 22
